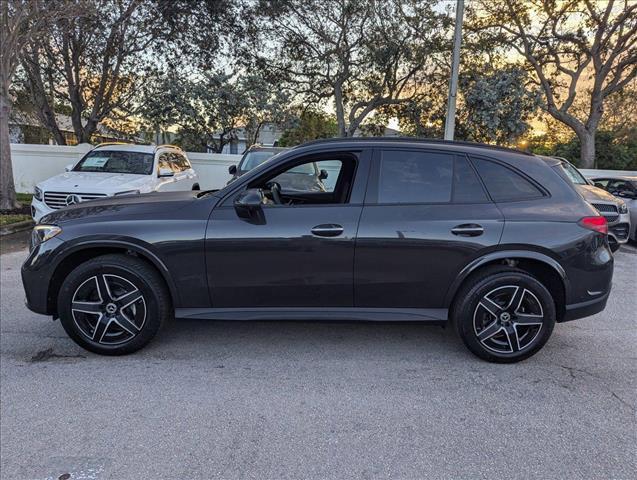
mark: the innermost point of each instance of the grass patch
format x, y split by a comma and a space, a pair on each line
9, 219
24, 197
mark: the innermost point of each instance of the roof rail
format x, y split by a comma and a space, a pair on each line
416, 139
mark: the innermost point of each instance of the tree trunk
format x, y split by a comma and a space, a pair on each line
7, 188
340, 114
587, 152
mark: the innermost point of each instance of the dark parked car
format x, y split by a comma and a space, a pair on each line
494, 240
253, 157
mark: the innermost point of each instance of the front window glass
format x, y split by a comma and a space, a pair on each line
137, 163
573, 174
308, 177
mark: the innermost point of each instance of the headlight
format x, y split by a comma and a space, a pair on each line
37, 193
623, 208
128, 192
42, 233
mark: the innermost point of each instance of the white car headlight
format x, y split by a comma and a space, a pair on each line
128, 192
42, 233
37, 193
623, 208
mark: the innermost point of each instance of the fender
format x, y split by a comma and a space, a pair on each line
142, 250
499, 255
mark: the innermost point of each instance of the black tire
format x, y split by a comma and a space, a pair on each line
512, 336
121, 328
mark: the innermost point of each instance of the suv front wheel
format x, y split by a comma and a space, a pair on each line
113, 304
504, 315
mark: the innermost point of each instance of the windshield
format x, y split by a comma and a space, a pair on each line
573, 173
136, 163
254, 159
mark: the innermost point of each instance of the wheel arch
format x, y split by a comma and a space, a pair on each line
80, 253
546, 269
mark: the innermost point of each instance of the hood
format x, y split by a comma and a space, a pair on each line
93, 182
113, 208
591, 194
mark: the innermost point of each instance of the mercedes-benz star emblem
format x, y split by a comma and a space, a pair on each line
72, 199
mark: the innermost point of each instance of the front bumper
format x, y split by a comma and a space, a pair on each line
619, 230
39, 209
37, 271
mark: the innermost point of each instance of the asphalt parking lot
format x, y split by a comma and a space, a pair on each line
318, 400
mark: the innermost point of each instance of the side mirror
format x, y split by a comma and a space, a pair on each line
166, 172
69, 167
323, 175
248, 204
232, 169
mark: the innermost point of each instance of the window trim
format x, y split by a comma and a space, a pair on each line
544, 193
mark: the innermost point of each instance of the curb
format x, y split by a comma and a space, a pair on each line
16, 227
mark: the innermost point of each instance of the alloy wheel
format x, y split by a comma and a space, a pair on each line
108, 309
508, 319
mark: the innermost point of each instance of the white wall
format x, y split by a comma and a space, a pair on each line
34, 163
212, 168
601, 173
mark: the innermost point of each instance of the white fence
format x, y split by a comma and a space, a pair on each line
34, 163
602, 173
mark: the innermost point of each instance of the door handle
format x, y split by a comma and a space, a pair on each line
468, 230
327, 230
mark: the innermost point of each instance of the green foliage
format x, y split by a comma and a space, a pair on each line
613, 152
208, 109
497, 106
9, 219
362, 56
310, 125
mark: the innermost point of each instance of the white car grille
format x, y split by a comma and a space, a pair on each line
57, 200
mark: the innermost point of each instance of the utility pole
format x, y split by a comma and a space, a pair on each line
450, 121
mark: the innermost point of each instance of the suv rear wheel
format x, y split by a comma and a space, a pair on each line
504, 314
113, 304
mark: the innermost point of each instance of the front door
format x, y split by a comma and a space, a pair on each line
425, 217
300, 252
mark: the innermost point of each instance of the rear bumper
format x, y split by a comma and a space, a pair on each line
585, 309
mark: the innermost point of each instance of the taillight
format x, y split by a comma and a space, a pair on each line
597, 224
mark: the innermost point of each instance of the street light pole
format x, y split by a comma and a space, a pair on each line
450, 121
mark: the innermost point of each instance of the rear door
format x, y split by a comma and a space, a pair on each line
426, 216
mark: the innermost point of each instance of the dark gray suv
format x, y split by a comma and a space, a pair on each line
495, 241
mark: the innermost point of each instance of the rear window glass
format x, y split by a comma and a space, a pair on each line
415, 177
503, 183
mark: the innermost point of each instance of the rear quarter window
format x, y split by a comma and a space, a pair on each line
503, 183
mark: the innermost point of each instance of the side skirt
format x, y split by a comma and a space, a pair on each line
437, 315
